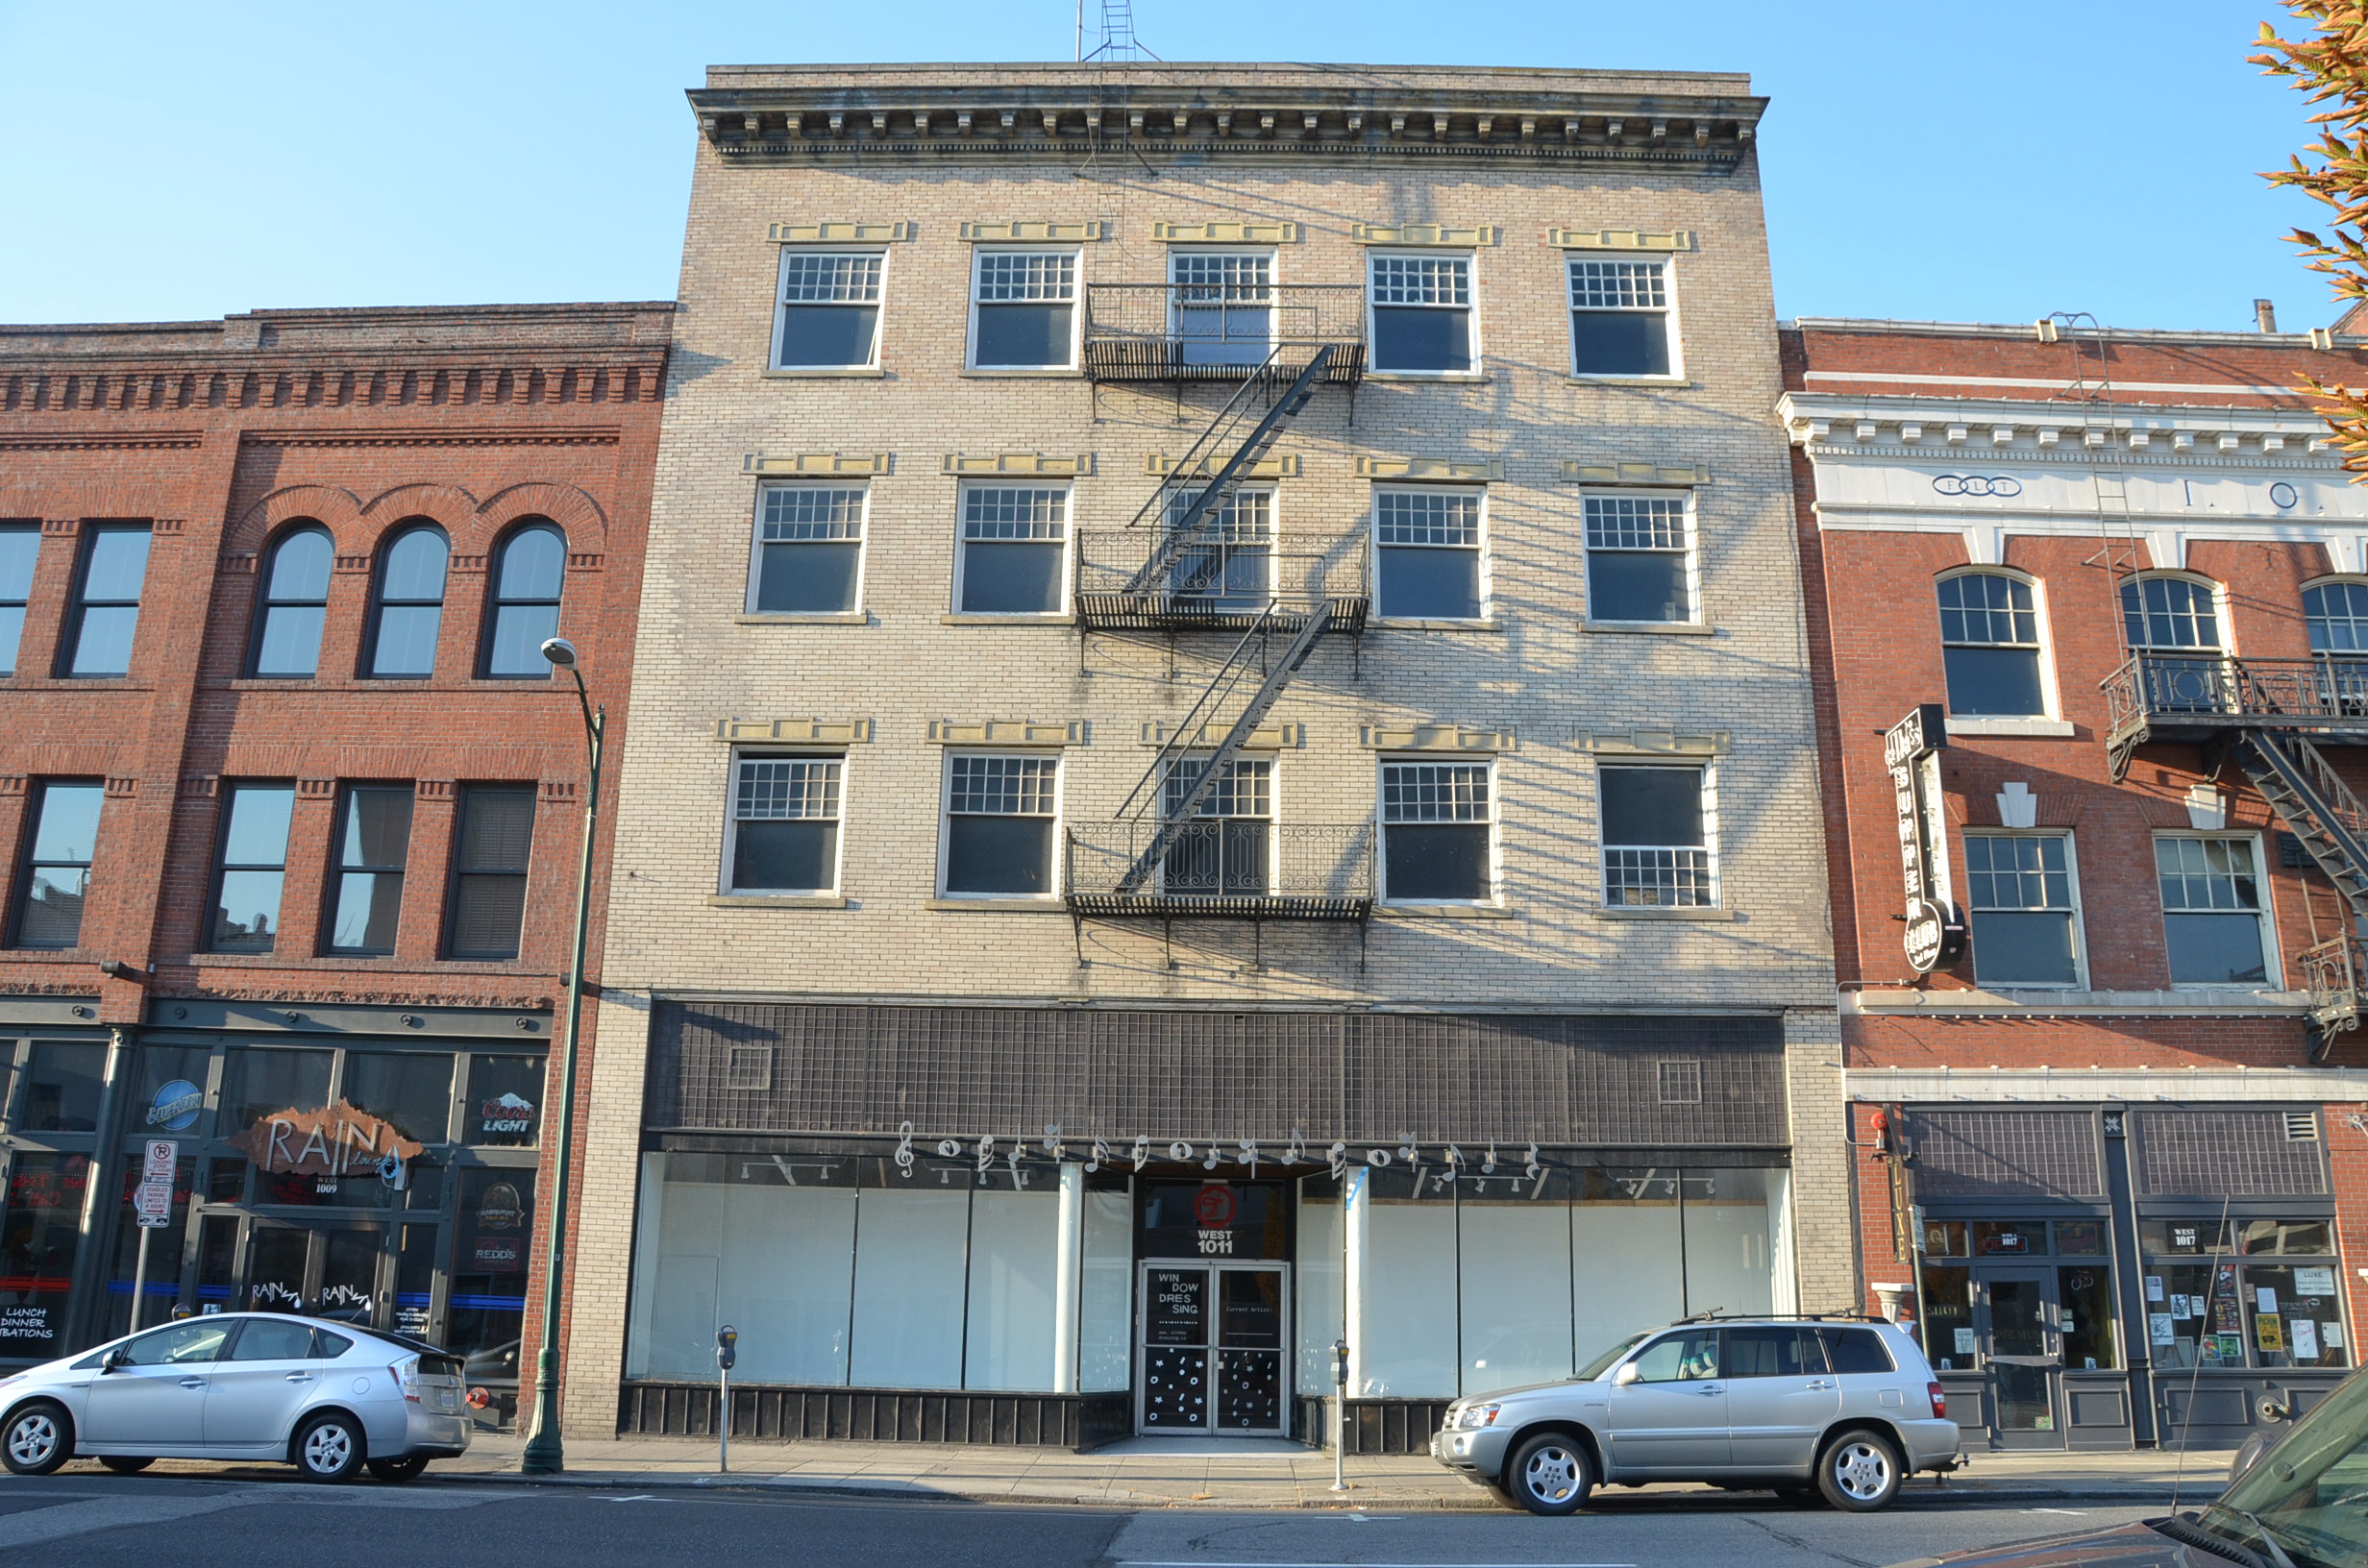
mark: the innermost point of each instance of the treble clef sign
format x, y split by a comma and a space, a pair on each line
904, 1150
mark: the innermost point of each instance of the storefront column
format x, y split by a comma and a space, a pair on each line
2129, 1267
1071, 1244
1355, 1215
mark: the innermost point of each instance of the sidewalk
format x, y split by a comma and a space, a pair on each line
1152, 1473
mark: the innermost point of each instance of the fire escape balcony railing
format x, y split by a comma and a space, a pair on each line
1219, 583
1219, 333
2332, 973
2190, 696
1226, 868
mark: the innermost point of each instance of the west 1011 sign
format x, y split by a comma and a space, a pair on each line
1911, 751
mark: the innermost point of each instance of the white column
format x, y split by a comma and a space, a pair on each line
1072, 1279
1354, 1213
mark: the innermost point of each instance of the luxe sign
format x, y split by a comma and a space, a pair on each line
1911, 751
335, 1141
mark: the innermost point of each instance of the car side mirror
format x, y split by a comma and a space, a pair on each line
1626, 1375
120, 1356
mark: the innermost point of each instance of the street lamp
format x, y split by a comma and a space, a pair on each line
543, 1453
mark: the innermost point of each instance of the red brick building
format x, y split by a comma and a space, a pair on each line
2111, 1155
291, 804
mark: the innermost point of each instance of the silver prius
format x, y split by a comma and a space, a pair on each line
242, 1385
1816, 1409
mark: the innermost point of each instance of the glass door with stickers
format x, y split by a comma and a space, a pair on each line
2018, 1317
340, 1270
1210, 1361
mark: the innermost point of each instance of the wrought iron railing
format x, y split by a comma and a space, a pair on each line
2331, 973
1208, 331
1225, 576
1227, 866
2207, 689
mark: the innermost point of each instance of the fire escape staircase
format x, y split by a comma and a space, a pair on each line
2332, 820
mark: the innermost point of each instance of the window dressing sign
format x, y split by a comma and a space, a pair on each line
1912, 749
335, 1141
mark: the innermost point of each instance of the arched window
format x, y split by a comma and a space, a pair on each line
2166, 617
527, 573
288, 634
1989, 641
410, 604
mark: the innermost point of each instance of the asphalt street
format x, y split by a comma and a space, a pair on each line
79, 1520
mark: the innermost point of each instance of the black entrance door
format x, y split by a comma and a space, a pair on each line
337, 1269
1211, 1357
2019, 1325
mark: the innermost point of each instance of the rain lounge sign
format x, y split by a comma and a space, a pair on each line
329, 1143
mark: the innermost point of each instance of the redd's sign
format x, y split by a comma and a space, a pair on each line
334, 1142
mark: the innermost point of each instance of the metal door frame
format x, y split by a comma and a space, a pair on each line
1286, 1351
2051, 1305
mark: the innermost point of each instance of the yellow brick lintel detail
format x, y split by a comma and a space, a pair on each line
815, 233
829, 463
1424, 234
1264, 738
1437, 738
1161, 465
1577, 472
1620, 240
1031, 229
1227, 233
794, 731
1655, 742
1018, 462
1451, 469
1006, 732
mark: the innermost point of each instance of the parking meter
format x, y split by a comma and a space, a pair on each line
727, 1352
1340, 1366
1340, 1419
727, 1357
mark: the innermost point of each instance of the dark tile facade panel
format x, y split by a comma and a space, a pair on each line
2029, 1154
2218, 1154
876, 1415
1583, 1080
1393, 1426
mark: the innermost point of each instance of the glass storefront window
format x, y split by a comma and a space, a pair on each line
1946, 1239
2194, 1314
2285, 1237
2294, 1315
1014, 1278
172, 1089
2080, 1237
1406, 1342
262, 1081
1948, 1315
2009, 1237
41, 1231
1627, 1252
486, 1304
226, 1180
1727, 1227
504, 1103
1513, 1257
2084, 1304
2181, 1237
1105, 1286
1322, 1303
412, 1089
909, 1285
62, 1086
163, 1284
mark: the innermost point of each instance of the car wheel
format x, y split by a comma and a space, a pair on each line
330, 1447
40, 1438
1550, 1475
126, 1465
407, 1468
1860, 1471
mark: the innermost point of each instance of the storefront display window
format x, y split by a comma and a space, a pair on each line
1627, 1256
504, 1103
2009, 1239
2223, 1314
909, 1285
2080, 1237
491, 1242
1322, 1303
1513, 1257
1949, 1339
172, 1089
63, 1086
264, 1081
1407, 1339
2085, 1303
40, 1232
1105, 1287
1727, 1214
1014, 1282
164, 1283
412, 1089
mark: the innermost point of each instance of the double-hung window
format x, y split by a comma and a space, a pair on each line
2026, 924
250, 868
374, 839
1656, 837
1640, 559
56, 874
829, 310
999, 817
491, 857
785, 824
1422, 314
1619, 318
2173, 623
287, 635
1023, 311
1230, 564
809, 550
20, 544
1225, 849
2213, 910
1990, 645
1427, 555
1015, 551
2336, 614
528, 574
1223, 306
1438, 822
106, 609
409, 613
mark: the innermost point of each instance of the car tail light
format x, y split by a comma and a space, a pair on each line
406, 1373
1940, 1400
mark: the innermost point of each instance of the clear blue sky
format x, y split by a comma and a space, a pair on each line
1962, 162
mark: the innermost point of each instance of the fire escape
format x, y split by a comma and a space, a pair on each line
1201, 563
2271, 717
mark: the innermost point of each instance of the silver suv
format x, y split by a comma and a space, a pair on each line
1842, 1409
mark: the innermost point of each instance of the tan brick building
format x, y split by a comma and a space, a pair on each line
1222, 723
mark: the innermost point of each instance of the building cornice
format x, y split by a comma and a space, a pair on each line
1907, 427
2024, 331
2139, 1086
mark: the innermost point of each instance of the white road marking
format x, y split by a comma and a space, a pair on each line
2077, 1513
637, 1497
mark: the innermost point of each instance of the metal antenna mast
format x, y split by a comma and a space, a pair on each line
1117, 34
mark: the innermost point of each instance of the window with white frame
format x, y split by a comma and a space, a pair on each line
2336, 614
1015, 551
1422, 316
999, 817
2213, 910
1226, 848
828, 311
2021, 896
1656, 836
2166, 618
1989, 645
1619, 318
785, 824
1223, 306
1427, 555
808, 549
1023, 311
1230, 564
1640, 558
1438, 819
